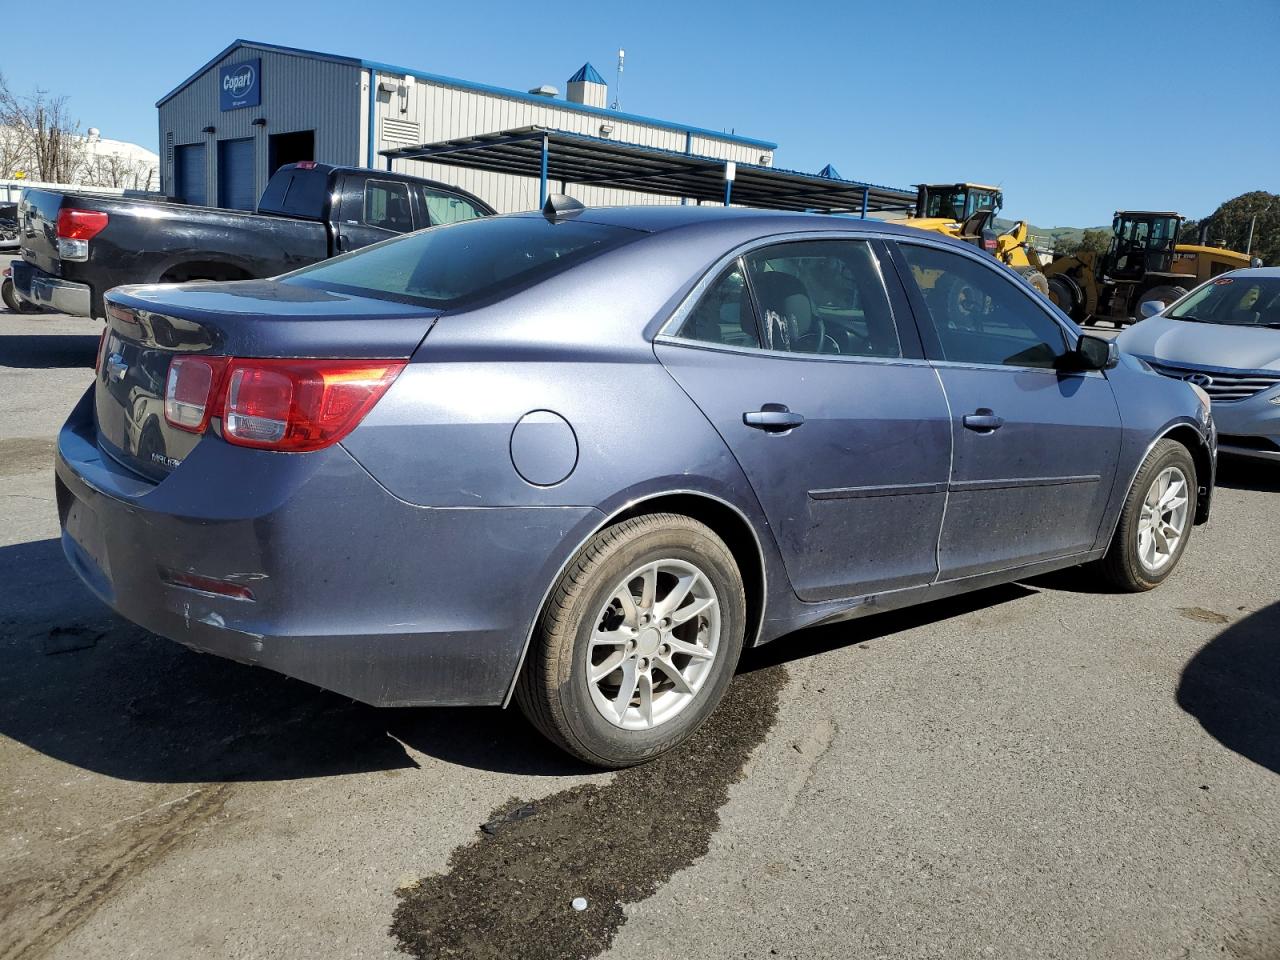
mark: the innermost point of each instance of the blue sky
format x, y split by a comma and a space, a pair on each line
1075, 109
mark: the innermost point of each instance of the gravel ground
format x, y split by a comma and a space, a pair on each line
1038, 770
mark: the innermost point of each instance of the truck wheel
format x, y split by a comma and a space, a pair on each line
10, 297
1034, 277
1067, 296
1166, 293
638, 642
1155, 522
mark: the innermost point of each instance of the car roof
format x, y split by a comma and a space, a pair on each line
660, 218
1254, 272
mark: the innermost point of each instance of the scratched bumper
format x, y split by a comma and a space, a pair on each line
353, 590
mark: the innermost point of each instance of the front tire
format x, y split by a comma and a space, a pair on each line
637, 643
10, 298
1156, 521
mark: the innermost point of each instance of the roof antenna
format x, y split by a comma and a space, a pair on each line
560, 206
617, 80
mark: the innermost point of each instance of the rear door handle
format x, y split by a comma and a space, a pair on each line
983, 421
773, 418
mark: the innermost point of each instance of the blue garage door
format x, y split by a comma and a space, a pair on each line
235, 174
188, 173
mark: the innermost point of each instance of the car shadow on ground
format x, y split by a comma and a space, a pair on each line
1242, 473
35, 352
1232, 686
83, 686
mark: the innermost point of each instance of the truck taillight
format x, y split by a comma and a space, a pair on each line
75, 229
287, 405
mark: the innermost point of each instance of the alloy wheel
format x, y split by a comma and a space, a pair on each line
1163, 520
653, 644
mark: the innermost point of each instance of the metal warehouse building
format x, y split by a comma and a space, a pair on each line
256, 106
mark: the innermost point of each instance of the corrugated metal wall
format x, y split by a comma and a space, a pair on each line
298, 93
435, 112
305, 93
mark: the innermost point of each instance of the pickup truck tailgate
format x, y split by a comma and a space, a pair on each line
38, 229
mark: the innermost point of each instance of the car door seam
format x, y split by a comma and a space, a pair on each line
951, 473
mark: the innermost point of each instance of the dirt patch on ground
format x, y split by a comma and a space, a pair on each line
19, 455
510, 892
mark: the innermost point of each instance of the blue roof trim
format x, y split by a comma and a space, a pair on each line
255, 45
586, 74
477, 87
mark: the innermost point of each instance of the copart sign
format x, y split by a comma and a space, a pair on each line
240, 85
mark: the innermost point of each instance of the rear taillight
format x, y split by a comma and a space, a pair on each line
301, 405
305, 164
75, 229
190, 391
288, 405
102, 349
989, 246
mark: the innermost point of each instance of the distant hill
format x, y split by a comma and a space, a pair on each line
1053, 236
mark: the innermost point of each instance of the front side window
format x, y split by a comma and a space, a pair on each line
465, 261
980, 316
445, 208
386, 206
822, 297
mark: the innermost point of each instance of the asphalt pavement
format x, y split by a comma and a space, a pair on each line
1039, 770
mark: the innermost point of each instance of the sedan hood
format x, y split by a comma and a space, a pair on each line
1204, 344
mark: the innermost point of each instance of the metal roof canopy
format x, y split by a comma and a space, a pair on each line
574, 158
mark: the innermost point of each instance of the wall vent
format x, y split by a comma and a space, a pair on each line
401, 131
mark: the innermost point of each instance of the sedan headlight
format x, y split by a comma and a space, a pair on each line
1204, 399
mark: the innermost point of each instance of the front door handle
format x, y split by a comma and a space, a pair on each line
773, 418
983, 421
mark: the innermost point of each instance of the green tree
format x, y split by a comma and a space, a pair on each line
1088, 241
1230, 224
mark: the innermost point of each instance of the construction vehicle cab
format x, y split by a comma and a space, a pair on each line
956, 202
967, 211
1142, 242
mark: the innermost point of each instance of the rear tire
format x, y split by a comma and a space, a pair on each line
567, 689
1146, 519
10, 297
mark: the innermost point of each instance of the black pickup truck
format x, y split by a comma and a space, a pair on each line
77, 246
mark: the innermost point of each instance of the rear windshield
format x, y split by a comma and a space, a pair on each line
445, 266
296, 192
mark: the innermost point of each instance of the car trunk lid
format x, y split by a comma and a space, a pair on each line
148, 326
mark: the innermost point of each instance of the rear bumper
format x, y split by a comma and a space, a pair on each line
353, 590
35, 286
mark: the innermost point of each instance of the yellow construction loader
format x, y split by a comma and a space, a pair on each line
966, 211
1144, 261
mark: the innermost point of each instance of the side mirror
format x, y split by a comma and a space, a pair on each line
1093, 353
1149, 308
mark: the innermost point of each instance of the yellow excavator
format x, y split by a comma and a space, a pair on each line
1144, 261
966, 211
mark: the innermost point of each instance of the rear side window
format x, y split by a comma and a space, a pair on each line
823, 296
296, 193
724, 314
445, 208
981, 316
386, 206
466, 261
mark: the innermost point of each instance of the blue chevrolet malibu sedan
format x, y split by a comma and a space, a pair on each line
583, 458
